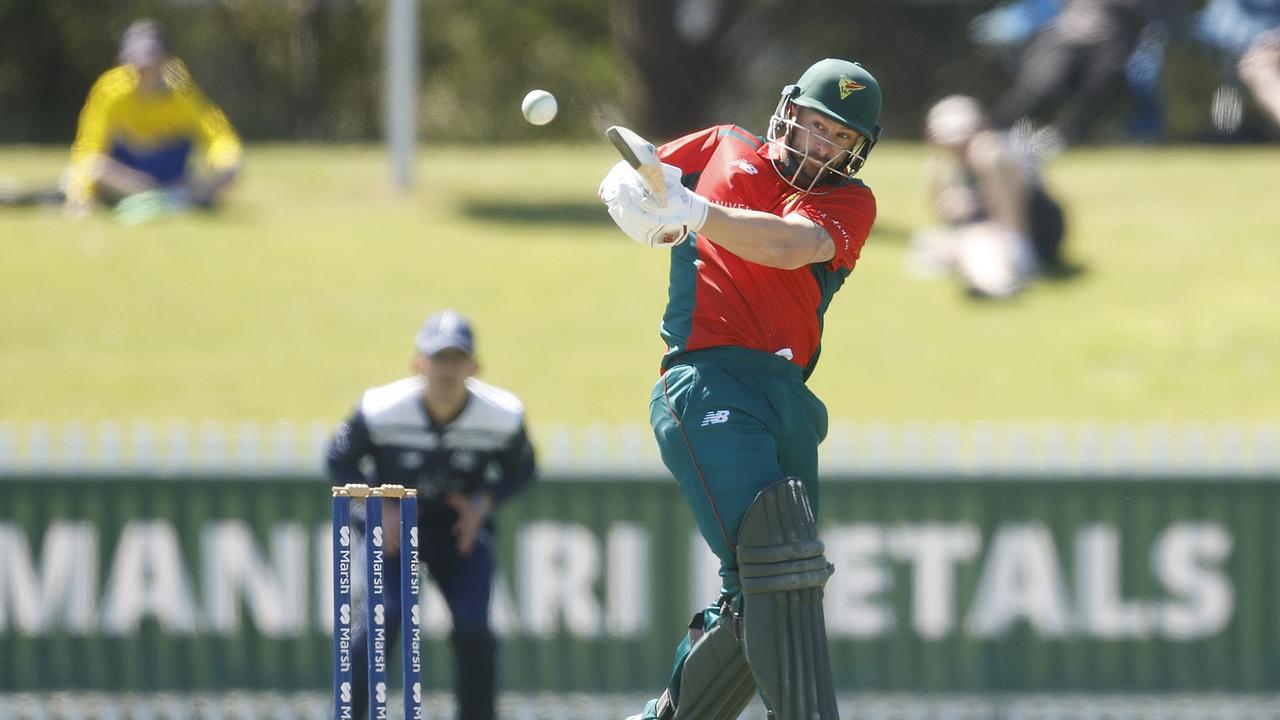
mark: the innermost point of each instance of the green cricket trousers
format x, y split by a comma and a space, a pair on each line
730, 422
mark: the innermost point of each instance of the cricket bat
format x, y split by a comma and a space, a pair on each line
641, 155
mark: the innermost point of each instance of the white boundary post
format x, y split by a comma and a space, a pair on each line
402, 90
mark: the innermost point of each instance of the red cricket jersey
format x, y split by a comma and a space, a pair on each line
716, 298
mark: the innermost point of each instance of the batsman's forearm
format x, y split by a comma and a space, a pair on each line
781, 242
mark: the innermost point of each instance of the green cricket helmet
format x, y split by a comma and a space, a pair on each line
844, 92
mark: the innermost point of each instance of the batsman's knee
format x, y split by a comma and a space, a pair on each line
778, 545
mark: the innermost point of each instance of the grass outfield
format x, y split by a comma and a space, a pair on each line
312, 283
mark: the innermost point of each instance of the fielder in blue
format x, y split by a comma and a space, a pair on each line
462, 443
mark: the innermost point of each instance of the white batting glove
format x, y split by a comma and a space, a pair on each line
620, 175
683, 205
641, 218
622, 192
641, 224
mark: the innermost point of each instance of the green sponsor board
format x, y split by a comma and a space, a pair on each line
941, 585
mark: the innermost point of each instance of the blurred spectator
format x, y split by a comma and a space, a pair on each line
1006, 30
1247, 35
1081, 58
1000, 227
1143, 73
137, 130
1009, 27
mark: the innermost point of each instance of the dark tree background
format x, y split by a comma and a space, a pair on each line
312, 69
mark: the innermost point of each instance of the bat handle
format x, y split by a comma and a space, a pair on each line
655, 185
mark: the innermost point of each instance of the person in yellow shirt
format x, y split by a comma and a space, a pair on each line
138, 129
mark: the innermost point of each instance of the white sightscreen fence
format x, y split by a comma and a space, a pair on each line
948, 449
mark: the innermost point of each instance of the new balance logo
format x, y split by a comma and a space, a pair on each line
745, 166
715, 417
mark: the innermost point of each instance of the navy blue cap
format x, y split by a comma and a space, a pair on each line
444, 330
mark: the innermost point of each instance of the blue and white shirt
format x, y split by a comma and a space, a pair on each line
391, 439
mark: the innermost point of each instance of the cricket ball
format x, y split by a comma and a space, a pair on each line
539, 107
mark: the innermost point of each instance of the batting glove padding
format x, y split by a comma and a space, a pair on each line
641, 218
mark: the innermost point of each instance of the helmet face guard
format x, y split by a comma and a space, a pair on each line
784, 133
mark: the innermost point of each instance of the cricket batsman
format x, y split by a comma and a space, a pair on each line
763, 231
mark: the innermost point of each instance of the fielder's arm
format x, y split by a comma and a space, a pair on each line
349, 444
782, 242
391, 527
